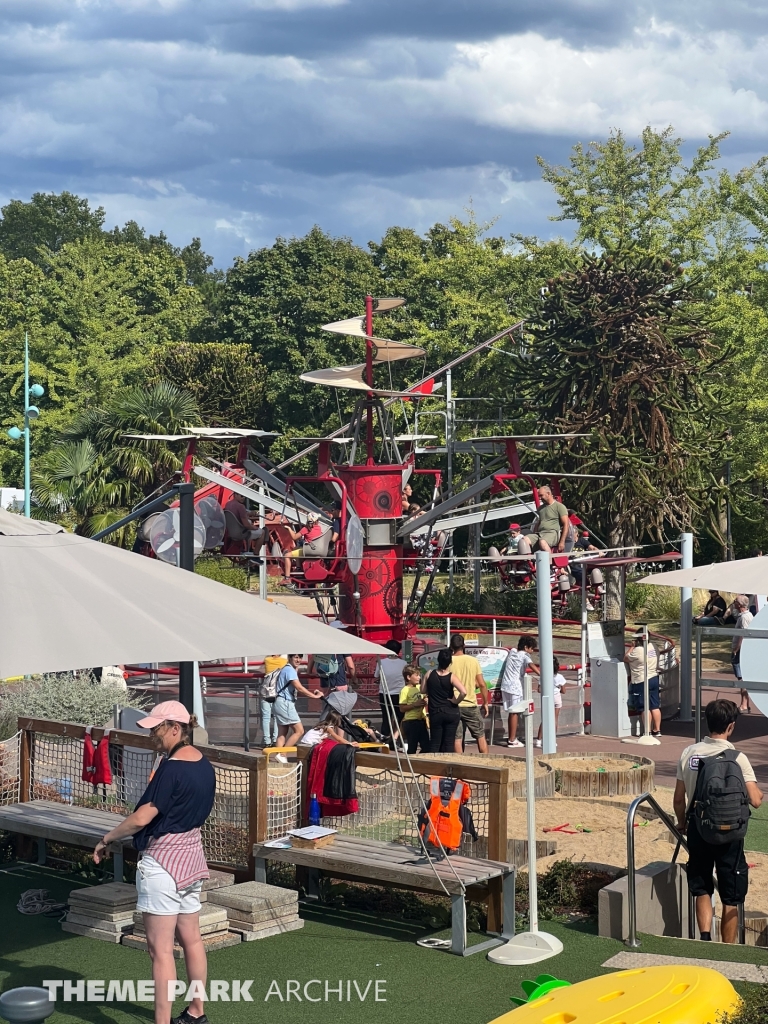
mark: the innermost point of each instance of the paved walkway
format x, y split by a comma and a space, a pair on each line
751, 736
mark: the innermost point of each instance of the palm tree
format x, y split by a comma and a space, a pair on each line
97, 473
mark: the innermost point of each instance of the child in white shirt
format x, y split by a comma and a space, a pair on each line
559, 685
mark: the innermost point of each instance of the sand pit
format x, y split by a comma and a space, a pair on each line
594, 764
606, 842
516, 765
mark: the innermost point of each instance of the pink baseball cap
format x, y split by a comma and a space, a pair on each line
168, 711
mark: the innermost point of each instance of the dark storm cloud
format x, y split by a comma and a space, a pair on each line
242, 119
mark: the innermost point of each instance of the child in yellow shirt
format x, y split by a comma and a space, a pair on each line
413, 706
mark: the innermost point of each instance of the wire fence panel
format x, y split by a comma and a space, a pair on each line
391, 804
284, 799
10, 770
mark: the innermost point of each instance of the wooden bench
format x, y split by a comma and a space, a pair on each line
402, 867
63, 823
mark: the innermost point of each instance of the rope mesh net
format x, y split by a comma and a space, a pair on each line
10, 773
56, 770
283, 800
385, 813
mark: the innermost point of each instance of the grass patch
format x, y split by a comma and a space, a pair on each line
757, 836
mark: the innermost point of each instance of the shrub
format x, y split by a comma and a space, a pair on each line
635, 596
754, 1008
223, 571
663, 604
62, 697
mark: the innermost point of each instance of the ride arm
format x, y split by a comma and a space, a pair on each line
679, 804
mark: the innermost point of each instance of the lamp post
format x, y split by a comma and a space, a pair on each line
31, 412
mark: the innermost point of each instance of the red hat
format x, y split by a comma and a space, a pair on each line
514, 526
584, 533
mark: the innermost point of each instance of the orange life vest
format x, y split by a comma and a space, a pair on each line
444, 825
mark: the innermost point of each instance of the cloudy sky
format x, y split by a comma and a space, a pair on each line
240, 120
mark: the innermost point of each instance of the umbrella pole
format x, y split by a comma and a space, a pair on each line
187, 561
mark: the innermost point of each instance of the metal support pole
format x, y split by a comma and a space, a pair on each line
186, 561
449, 461
27, 454
686, 621
697, 722
547, 687
584, 624
494, 632
476, 538
263, 555
530, 790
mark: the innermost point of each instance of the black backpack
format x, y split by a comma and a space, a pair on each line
720, 803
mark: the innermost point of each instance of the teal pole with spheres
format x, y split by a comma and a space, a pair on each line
31, 412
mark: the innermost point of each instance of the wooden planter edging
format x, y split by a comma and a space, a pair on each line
634, 781
543, 785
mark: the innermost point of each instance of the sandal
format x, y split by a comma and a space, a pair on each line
430, 944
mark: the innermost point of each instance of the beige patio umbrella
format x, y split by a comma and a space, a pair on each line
743, 576
67, 602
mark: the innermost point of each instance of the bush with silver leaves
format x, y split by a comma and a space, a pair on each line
61, 697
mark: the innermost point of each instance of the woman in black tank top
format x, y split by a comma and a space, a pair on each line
441, 687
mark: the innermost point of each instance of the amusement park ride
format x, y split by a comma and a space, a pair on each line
353, 565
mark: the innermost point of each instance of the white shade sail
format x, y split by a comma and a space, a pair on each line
743, 576
67, 602
345, 377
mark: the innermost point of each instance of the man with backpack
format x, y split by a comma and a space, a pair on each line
715, 787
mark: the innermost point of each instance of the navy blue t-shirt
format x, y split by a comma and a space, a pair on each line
183, 793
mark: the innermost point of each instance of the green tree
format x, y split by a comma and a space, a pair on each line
622, 349
622, 197
94, 318
276, 300
226, 380
45, 224
70, 486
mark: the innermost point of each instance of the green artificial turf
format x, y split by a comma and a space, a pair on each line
757, 836
420, 985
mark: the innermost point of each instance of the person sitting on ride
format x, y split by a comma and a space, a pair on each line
306, 534
550, 528
249, 521
515, 535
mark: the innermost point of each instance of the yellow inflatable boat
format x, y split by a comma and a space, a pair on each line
647, 995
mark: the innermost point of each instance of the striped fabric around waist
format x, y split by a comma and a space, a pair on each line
181, 855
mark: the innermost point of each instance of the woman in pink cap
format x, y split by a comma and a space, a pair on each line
169, 877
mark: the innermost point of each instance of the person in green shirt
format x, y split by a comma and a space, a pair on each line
550, 528
413, 704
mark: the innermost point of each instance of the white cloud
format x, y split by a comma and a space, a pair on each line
662, 76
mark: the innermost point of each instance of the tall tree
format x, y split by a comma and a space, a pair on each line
45, 224
276, 300
226, 380
621, 349
623, 197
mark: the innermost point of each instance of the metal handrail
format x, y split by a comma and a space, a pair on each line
632, 939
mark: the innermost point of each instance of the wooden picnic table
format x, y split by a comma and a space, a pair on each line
404, 867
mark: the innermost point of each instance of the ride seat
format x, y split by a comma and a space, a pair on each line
235, 529
524, 546
318, 548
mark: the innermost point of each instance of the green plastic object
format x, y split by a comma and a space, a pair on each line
537, 988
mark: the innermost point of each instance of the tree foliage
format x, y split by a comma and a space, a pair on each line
621, 349
225, 379
623, 197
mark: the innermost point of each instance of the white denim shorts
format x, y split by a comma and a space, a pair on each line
157, 892
509, 699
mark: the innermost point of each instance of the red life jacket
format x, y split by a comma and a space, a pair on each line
96, 769
444, 825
